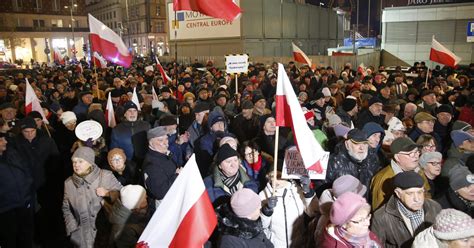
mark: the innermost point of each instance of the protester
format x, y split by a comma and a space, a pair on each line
460, 193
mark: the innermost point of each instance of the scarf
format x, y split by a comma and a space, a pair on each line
362, 241
416, 218
257, 165
231, 182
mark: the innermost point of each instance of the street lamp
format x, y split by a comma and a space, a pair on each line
73, 44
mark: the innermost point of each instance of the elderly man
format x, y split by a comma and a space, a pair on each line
122, 134
159, 169
353, 158
371, 114
459, 194
409, 111
196, 129
246, 124
442, 127
462, 148
425, 125
406, 213
429, 102
405, 158
348, 111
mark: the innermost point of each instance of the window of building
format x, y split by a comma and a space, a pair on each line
158, 10
160, 27
57, 23
37, 5
55, 5
114, 14
17, 4
38, 23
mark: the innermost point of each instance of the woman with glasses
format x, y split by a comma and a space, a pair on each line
124, 170
430, 163
428, 142
349, 226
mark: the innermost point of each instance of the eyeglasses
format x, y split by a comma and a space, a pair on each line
435, 163
362, 220
412, 154
117, 159
429, 146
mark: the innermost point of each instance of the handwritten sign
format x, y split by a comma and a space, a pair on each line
293, 166
88, 130
237, 63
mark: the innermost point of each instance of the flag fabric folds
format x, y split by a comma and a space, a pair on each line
185, 216
105, 41
98, 60
165, 77
300, 56
443, 55
155, 102
135, 99
110, 113
290, 114
223, 9
32, 102
58, 57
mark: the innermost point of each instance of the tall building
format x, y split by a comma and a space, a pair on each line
36, 29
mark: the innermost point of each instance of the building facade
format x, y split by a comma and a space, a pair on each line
36, 29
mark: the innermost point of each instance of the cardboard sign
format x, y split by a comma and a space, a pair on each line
88, 130
237, 63
293, 166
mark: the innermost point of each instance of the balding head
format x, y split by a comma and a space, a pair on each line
410, 110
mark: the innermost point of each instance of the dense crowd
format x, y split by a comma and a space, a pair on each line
400, 171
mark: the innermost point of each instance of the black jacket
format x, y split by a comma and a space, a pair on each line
160, 173
451, 200
366, 116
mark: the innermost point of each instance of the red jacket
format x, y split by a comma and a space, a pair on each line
467, 115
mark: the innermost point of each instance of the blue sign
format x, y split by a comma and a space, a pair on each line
364, 42
470, 31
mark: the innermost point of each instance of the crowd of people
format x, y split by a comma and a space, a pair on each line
400, 171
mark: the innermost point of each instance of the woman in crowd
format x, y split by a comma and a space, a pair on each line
253, 162
431, 163
428, 142
123, 169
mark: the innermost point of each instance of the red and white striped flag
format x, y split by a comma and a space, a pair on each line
165, 77
300, 56
98, 60
223, 9
105, 41
362, 70
290, 114
443, 55
58, 57
185, 216
135, 99
32, 102
110, 113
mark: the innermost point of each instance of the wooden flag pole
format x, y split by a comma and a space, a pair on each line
236, 83
427, 75
47, 129
275, 159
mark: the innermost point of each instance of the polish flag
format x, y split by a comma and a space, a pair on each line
290, 114
79, 68
109, 113
165, 77
105, 41
32, 102
362, 70
222, 9
155, 102
185, 217
442, 55
99, 61
58, 57
300, 56
135, 99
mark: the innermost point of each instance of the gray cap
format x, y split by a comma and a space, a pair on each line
156, 132
85, 153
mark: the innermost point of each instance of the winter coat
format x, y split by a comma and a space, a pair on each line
15, 181
416, 133
159, 173
366, 116
288, 210
451, 200
81, 204
455, 156
245, 129
260, 177
329, 239
122, 135
239, 232
345, 117
219, 193
341, 163
130, 174
389, 225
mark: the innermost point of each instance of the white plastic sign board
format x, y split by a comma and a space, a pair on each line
293, 166
237, 63
88, 130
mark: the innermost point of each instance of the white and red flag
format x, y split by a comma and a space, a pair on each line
98, 60
105, 41
110, 113
32, 102
135, 99
442, 55
300, 56
223, 9
155, 102
185, 216
58, 57
290, 114
362, 70
165, 76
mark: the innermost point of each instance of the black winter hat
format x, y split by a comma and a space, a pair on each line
444, 108
168, 120
200, 107
128, 105
348, 104
374, 100
35, 114
27, 122
225, 152
408, 179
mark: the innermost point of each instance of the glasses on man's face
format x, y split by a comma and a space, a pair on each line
412, 154
362, 220
435, 163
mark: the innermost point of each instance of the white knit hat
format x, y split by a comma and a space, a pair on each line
132, 196
452, 224
68, 116
394, 124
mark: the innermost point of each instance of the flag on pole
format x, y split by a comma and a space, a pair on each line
155, 102
222, 9
98, 60
135, 99
105, 41
32, 102
58, 57
110, 113
300, 56
165, 77
185, 216
290, 114
443, 55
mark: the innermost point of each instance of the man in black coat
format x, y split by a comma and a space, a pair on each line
459, 194
16, 208
372, 114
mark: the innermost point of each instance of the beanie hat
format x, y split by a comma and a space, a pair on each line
225, 152
459, 137
395, 124
372, 127
341, 131
132, 195
35, 114
345, 207
461, 125
427, 157
459, 177
452, 224
244, 202
408, 179
348, 104
128, 105
68, 116
257, 98
201, 106
326, 91
444, 108
247, 104
347, 183
27, 122
85, 153
333, 120
374, 100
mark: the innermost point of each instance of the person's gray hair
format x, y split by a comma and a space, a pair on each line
427, 157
